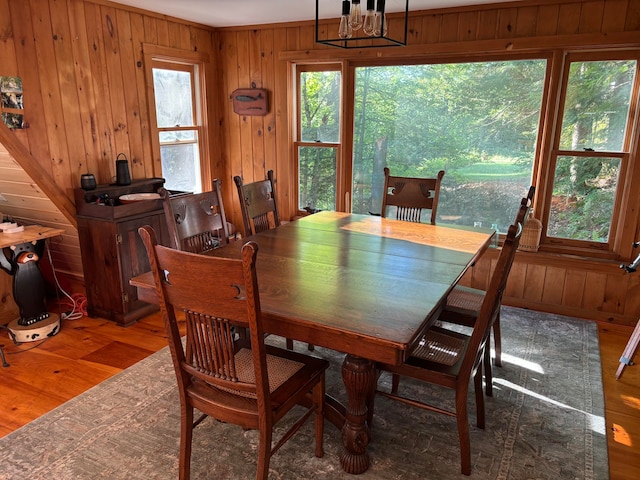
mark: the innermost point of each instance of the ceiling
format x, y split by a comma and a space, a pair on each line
229, 13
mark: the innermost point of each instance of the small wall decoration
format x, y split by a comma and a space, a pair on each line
250, 101
11, 102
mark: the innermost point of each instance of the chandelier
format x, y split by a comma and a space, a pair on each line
363, 28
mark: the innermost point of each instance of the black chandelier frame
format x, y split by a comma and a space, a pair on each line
366, 41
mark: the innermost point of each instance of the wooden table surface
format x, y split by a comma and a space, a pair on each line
359, 284
31, 233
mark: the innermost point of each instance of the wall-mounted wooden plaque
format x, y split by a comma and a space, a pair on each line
250, 101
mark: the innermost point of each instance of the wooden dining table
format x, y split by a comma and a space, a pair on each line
363, 285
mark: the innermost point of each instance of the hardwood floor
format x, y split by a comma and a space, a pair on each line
87, 351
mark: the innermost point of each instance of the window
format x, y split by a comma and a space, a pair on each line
592, 148
476, 121
318, 137
486, 124
179, 146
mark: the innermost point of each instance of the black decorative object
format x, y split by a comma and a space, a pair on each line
88, 181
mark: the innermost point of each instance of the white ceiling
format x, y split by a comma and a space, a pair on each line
227, 13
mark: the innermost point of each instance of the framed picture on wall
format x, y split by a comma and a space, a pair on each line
11, 106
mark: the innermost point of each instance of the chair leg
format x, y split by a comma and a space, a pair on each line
264, 453
488, 373
289, 344
477, 383
395, 382
463, 430
318, 398
497, 341
186, 436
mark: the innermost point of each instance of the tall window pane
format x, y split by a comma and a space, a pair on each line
318, 138
175, 115
320, 106
597, 105
317, 173
477, 121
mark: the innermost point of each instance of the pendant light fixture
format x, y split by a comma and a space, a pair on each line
364, 30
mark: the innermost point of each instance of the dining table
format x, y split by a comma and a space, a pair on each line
364, 285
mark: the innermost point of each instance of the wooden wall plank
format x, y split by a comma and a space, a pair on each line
612, 20
632, 22
431, 25
267, 65
569, 18
547, 22
487, 24
86, 93
467, 26
116, 84
574, 281
51, 95
593, 297
68, 87
127, 54
591, 17
104, 118
507, 22
553, 289
256, 122
534, 283
28, 71
143, 168
615, 284
449, 28
527, 21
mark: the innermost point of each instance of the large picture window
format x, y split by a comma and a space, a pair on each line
476, 121
495, 126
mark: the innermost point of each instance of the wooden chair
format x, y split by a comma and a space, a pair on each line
450, 359
258, 204
410, 196
197, 222
463, 303
242, 382
260, 211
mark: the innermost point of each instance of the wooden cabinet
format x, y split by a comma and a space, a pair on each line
112, 251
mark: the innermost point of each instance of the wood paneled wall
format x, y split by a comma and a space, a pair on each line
82, 69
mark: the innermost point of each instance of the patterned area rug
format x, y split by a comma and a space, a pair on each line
545, 421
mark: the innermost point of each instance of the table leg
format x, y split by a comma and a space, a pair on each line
358, 375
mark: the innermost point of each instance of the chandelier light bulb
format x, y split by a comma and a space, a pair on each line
345, 31
380, 24
369, 18
355, 18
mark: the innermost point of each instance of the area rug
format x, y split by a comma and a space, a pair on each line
545, 421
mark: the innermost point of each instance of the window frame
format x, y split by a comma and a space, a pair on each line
297, 143
567, 245
181, 60
543, 169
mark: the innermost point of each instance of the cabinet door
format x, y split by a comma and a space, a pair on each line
133, 258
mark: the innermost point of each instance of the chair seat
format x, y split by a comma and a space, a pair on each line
439, 347
463, 301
